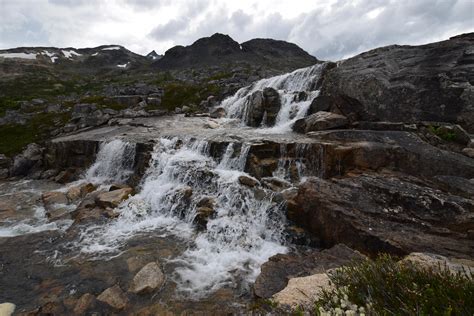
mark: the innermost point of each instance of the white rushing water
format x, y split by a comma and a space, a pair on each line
184, 180
245, 230
29, 216
113, 164
289, 86
37, 223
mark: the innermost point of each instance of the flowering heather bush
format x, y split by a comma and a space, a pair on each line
386, 287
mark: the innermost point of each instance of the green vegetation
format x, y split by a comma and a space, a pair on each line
179, 94
7, 104
443, 133
103, 102
221, 75
385, 287
15, 137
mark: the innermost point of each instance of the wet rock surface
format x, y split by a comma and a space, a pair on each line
148, 279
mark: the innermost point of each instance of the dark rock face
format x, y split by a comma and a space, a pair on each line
280, 268
391, 213
221, 49
405, 84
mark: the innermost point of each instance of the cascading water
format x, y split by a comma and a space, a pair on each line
113, 164
243, 231
289, 87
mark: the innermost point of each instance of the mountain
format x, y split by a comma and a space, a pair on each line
220, 49
82, 60
153, 55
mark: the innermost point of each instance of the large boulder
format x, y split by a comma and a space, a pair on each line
263, 107
320, 121
386, 212
405, 84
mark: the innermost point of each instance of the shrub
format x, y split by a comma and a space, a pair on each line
179, 94
442, 133
15, 137
385, 287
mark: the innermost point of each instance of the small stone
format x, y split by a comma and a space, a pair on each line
7, 309
85, 302
303, 291
113, 198
54, 197
186, 109
4, 173
74, 194
148, 279
248, 181
202, 215
468, 152
218, 113
6, 210
49, 174
64, 176
187, 192
207, 202
115, 297
211, 125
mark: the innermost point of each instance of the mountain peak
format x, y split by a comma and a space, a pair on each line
153, 55
219, 49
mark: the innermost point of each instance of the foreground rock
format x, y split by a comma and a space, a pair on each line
148, 279
389, 212
85, 303
437, 262
303, 292
7, 309
276, 272
115, 297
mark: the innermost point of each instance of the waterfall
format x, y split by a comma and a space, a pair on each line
113, 164
289, 87
243, 231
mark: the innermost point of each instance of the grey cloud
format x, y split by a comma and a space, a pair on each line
333, 31
71, 3
170, 29
147, 4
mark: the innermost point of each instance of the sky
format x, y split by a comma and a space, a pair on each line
327, 29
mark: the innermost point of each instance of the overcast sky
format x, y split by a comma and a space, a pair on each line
328, 29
